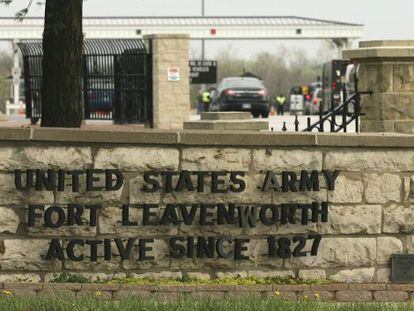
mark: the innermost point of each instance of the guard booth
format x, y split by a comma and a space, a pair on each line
117, 80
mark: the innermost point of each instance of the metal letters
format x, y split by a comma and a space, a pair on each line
190, 214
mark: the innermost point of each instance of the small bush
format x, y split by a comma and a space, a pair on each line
185, 280
69, 278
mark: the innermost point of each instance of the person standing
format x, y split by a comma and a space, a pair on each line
280, 104
206, 98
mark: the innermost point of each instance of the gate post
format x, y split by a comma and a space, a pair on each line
386, 69
171, 97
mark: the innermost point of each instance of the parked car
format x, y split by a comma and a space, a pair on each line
101, 96
241, 94
313, 105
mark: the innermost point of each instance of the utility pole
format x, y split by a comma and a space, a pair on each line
202, 40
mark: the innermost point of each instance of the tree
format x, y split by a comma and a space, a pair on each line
280, 70
62, 104
5, 65
62, 64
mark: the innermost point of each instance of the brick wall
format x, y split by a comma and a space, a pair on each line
322, 292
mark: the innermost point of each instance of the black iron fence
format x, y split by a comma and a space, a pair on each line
341, 118
133, 80
117, 80
32, 70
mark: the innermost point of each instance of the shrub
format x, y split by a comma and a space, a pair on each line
69, 278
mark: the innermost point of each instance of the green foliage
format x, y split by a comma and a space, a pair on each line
24, 280
148, 304
280, 70
5, 78
69, 278
6, 63
185, 280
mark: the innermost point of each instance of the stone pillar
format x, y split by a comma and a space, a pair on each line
171, 94
386, 69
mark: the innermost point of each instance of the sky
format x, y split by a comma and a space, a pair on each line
383, 19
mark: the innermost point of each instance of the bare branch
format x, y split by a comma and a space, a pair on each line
22, 13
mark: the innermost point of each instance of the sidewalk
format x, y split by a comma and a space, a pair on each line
17, 121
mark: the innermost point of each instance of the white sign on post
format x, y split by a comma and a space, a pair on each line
174, 74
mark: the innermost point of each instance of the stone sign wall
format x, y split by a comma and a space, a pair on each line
204, 204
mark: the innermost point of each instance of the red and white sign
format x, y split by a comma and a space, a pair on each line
174, 74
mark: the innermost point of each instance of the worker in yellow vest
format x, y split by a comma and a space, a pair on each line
280, 104
206, 98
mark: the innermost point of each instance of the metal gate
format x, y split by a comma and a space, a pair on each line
117, 80
32, 64
132, 72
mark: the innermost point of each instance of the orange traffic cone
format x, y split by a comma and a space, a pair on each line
22, 109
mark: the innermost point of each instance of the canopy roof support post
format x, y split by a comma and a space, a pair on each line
16, 73
341, 44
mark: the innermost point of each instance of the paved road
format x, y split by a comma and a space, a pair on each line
275, 123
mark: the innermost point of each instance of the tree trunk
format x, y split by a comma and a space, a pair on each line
62, 64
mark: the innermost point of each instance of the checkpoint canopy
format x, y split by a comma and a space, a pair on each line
197, 27
208, 27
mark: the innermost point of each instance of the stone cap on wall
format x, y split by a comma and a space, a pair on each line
376, 43
205, 138
227, 121
383, 49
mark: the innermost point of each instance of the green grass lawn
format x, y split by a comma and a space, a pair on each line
73, 304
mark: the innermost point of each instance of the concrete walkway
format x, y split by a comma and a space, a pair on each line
100, 125
275, 122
